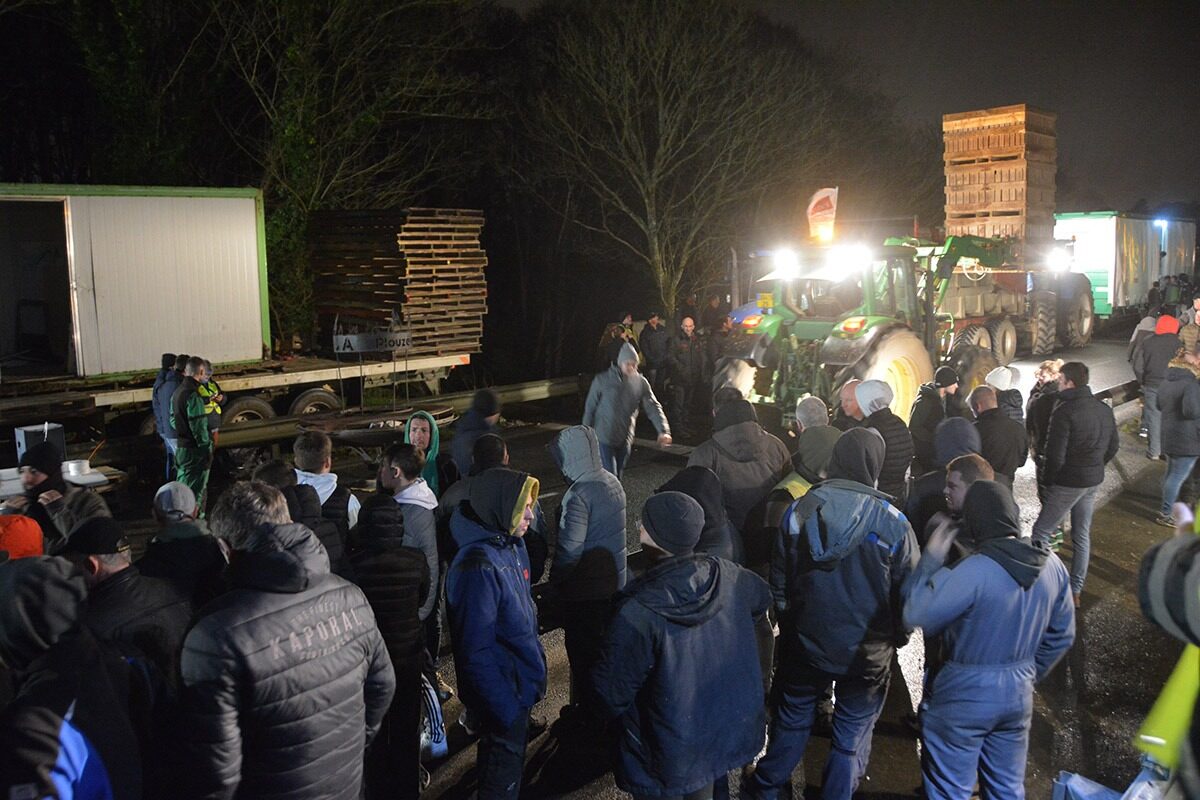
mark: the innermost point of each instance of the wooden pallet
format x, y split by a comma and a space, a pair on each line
426, 265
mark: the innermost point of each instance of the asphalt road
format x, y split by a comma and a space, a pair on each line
1086, 714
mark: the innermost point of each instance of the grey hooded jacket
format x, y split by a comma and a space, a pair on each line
590, 553
612, 407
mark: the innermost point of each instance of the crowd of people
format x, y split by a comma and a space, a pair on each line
281, 641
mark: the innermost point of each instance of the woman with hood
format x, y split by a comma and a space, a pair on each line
1004, 616
493, 623
719, 537
421, 431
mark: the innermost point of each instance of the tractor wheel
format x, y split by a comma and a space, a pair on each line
900, 360
1076, 311
1043, 323
972, 365
1004, 339
976, 335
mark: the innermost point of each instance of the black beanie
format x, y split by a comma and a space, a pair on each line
168, 361
44, 457
486, 402
674, 522
945, 376
733, 413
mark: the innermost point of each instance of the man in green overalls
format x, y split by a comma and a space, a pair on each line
189, 419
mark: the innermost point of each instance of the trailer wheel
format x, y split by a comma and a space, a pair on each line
972, 365
899, 359
973, 335
315, 401
1076, 311
1004, 339
246, 408
1043, 323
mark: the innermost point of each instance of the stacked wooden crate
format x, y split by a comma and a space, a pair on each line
423, 267
1000, 169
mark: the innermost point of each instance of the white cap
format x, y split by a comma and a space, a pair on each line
1001, 379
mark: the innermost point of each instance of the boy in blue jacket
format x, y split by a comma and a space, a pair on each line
493, 623
1004, 617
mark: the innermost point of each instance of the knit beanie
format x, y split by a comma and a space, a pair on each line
1001, 379
673, 521
485, 402
1166, 324
20, 537
627, 354
733, 413
945, 376
873, 396
43, 457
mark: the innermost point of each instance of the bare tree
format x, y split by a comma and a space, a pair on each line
344, 93
674, 117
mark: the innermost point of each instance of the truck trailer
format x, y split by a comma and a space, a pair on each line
1123, 254
96, 282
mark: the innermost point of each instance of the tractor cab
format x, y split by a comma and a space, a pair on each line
818, 312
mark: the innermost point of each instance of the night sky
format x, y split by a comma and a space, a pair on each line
1124, 78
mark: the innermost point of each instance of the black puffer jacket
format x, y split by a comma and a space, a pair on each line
304, 507
1150, 361
185, 555
141, 616
1011, 404
655, 342
1179, 401
898, 455
688, 360
395, 578
928, 410
285, 678
1037, 418
1082, 438
1004, 443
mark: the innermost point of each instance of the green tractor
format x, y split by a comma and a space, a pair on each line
823, 315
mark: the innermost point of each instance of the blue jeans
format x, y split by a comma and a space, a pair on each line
613, 458
1178, 469
1080, 503
500, 762
859, 702
1152, 419
170, 445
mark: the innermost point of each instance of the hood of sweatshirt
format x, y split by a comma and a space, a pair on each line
576, 452
324, 483
993, 520
418, 493
954, 437
858, 456
684, 590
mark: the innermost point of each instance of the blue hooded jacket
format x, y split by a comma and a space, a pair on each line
499, 661
840, 563
165, 385
681, 670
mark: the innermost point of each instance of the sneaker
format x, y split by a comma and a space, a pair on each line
1056, 540
1166, 520
433, 748
426, 778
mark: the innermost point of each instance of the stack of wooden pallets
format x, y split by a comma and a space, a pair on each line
1000, 169
423, 267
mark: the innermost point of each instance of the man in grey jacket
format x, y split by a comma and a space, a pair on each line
612, 408
590, 552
